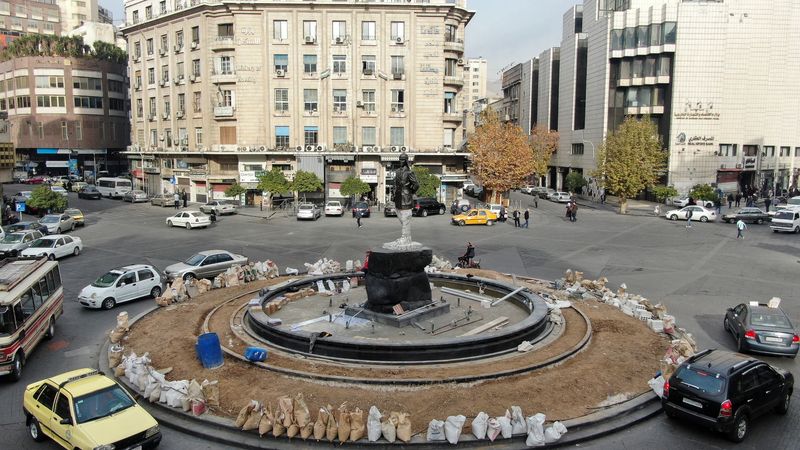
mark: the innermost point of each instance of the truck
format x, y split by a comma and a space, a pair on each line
787, 220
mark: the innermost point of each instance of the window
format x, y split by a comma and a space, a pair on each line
94, 84
655, 34
179, 70
79, 130
162, 6
118, 86
368, 31
47, 394
340, 100
282, 100
280, 30
650, 66
398, 65
398, 100
151, 106
181, 102
339, 31
196, 34
149, 45
449, 102
196, 101
310, 135
368, 136
448, 137
51, 82
227, 98
451, 68
54, 101
196, 67
225, 30
577, 149
179, 39
309, 64
339, 135
642, 36
664, 66
137, 49
153, 138
397, 136
769, 150
225, 65
670, 32
165, 73
727, 149
198, 136
64, 130
631, 99
797, 152
339, 63
450, 32
398, 31
637, 68
164, 44
282, 137
310, 29
151, 75
139, 107
785, 151
136, 17
368, 100
281, 62
368, 64
148, 12
310, 100
616, 40
23, 101
166, 105
22, 82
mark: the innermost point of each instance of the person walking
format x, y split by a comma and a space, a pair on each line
516, 218
358, 217
527, 217
568, 214
738, 198
730, 200
536, 201
185, 197
740, 227
574, 212
767, 203
718, 205
689, 213
177, 199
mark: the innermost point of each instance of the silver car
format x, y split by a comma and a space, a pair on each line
205, 264
14, 243
135, 196
163, 200
58, 223
308, 211
219, 207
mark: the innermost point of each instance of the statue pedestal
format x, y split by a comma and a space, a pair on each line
397, 276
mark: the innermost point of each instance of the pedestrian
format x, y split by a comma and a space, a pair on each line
516, 218
503, 214
358, 217
603, 196
767, 203
718, 205
689, 213
527, 217
574, 212
738, 198
730, 201
740, 227
691, 202
568, 214
177, 198
185, 197
536, 201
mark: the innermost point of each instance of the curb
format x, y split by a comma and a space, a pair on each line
222, 430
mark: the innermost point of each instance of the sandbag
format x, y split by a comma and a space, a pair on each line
657, 385
195, 391
535, 430
142, 379
119, 371
493, 429
403, 426
116, 335
287, 410
301, 415
122, 321
518, 425
344, 423
155, 395
480, 425
560, 427
277, 426
210, 392
265, 426
435, 431
332, 431
244, 413
505, 425
321, 424
389, 429
186, 404
357, 426
307, 430
551, 435
253, 419
115, 353
373, 424
452, 428
292, 431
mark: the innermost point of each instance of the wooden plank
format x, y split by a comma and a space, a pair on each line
487, 326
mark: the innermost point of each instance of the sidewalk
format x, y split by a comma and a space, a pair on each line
635, 207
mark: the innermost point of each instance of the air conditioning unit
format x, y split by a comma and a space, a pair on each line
162, 51
309, 148
368, 71
359, 104
263, 148
403, 149
185, 141
178, 48
340, 40
161, 138
397, 75
399, 40
320, 148
336, 109
136, 59
151, 117
460, 62
366, 148
280, 73
194, 45
192, 78
163, 83
180, 114
376, 148
299, 148
395, 149
177, 80
310, 40
397, 109
165, 116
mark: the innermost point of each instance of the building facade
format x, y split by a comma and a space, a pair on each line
476, 71
66, 115
19, 17
221, 92
75, 13
711, 75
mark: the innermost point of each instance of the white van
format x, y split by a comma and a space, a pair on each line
787, 220
113, 187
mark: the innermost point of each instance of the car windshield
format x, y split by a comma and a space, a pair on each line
306, 206
102, 403
12, 238
361, 205
43, 243
7, 324
769, 320
195, 260
785, 215
137, 192
334, 204
107, 280
701, 380
50, 219
73, 212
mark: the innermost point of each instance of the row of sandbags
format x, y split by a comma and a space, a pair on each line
180, 291
438, 265
503, 427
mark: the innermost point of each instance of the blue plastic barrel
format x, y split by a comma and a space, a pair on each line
255, 354
209, 351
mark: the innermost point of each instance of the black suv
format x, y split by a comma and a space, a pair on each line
725, 391
424, 206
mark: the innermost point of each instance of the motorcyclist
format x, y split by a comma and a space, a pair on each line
466, 259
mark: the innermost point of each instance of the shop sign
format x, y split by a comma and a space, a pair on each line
749, 162
369, 175
152, 170
248, 176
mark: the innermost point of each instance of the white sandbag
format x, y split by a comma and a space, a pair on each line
558, 426
505, 425
551, 435
493, 429
452, 428
535, 430
345, 287
518, 424
480, 425
389, 430
292, 271
122, 321
176, 392
436, 431
657, 385
373, 424
154, 380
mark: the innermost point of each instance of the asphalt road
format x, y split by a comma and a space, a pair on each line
696, 273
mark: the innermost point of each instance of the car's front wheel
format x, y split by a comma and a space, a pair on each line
703, 219
461, 223
424, 213
783, 406
442, 211
155, 292
169, 223
109, 303
188, 227
760, 221
77, 251
51, 256
188, 276
34, 431
673, 217
489, 223
740, 428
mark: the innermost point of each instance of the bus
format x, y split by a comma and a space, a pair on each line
113, 187
31, 300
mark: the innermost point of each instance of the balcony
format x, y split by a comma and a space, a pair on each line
226, 76
453, 81
453, 117
224, 112
454, 46
223, 43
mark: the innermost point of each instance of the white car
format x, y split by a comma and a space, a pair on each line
698, 213
60, 190
684, 201
308, 211
58, 223
121, 285
334, 208
189, 220
528, 189
54, 246
560, 197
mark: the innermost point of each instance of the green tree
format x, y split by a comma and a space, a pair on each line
664, 192
305, 182
354, 187
630, 159
273, 182
109, 52
428, 182
235, 190
574, 182
703, 192
43, 199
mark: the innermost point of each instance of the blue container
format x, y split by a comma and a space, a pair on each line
255, 354
209, 352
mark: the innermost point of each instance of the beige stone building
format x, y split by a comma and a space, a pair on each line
476, 72
222, 91
19, 17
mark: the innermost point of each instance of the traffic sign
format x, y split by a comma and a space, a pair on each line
20, 206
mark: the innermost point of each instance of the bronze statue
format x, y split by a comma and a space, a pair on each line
405, 186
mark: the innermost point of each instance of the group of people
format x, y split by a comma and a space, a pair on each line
180, 197
526, 215
572, 211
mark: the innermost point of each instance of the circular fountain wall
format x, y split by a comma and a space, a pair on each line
484, 318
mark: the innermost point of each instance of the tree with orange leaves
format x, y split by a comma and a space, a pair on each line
544, 143
501, 155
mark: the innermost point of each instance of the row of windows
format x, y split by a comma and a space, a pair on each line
150, 48
767, 151
59, 101
639, 67
31, 300
644, 36
57, 82
39, 130
642, 96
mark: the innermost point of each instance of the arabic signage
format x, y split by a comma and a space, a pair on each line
697, 110
248, 176
749, 162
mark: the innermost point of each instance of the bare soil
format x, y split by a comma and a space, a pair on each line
568, 390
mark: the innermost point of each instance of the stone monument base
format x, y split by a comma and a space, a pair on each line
397, 277
428, 311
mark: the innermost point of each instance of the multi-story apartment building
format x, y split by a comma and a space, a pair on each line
75, 13
711, 74
19, 17
66, 114
475, 81
223, 91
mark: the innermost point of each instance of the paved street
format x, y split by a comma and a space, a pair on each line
697, 273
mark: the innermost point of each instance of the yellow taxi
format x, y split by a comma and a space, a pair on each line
84, 409
475, 217
76, 214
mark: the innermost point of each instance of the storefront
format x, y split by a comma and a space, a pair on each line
337, 169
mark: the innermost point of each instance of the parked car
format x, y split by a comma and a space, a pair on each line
363, 207
698, 213
760, 329
528, 189
545, 193
54, 246
426, 205
78, 185
334, 208
308, 211
22, 196
560, 197
134, 196
459, 206
538, 190
23, 226
85, 409
77, 216
389, 210
189, 220
14, 243
475, 217
121, 285
163, 200
60, 190
89, 191
752, 215
496, 208
219, 207
787, 220
725, 391
38, 179
58, 223
205, 264
684, 201
59, 181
